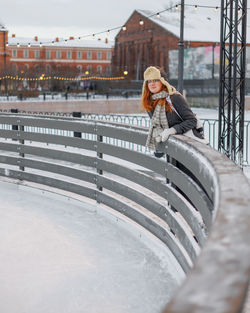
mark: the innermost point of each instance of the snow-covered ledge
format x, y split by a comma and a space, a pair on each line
219, 279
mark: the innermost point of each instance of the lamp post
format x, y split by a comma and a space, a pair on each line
181, 51
4, 60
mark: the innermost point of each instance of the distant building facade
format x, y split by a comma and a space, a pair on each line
53, 57
141, 45
146, 40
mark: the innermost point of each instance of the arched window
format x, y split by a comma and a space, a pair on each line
36, 70
79, 68
48, 68
58, 70
89, 68
108, 70
14, 68
99, 69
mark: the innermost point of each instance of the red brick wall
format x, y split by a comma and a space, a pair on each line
3, 49
141, 46
21, 63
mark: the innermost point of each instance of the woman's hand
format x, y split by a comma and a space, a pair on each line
166, 133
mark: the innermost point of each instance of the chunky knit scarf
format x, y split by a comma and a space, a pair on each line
159, 121
160, 95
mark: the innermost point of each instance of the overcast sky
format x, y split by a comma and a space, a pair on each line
64, 18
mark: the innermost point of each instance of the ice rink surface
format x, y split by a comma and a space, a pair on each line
59, 255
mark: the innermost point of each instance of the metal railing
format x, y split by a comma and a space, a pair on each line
85, 95
177, 201
210, 126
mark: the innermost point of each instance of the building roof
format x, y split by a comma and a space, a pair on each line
47, 42
2, 28
199, 25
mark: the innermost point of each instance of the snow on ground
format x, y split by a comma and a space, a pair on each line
62, 255
246, 171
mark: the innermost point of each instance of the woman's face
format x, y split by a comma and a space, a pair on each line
154, 85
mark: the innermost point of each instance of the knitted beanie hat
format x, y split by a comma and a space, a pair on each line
154, 73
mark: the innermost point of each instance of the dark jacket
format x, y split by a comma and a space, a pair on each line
187, 120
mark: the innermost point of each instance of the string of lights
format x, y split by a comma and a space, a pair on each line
196, 6
123, 27
93, 35
43, 77
204, 6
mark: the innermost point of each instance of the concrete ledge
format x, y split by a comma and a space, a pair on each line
219, 280
102, 106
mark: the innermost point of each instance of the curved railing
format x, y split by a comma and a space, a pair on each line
178, 201
210, 125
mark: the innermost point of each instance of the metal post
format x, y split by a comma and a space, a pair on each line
99, 155
181, 50
232, 79
79, 115
14, 127
5, 64
213, 61
21, 154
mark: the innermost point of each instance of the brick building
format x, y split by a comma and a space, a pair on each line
36, 56
3, 47
147, 38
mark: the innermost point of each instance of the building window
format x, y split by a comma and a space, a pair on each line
99, 69
58, 54
108, 70
89, 55
79, 68
37, 54
26, 67
47, 54
69, 54
25, 53
89, 68
48, 68
99, 55
109, 55
14, 53
14, 68
79, 54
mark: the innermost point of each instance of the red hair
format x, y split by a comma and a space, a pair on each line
149, 105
